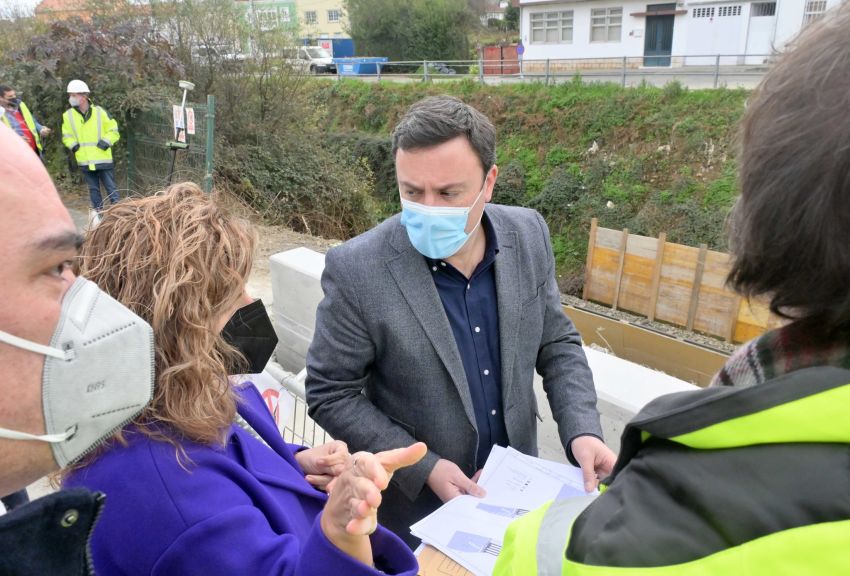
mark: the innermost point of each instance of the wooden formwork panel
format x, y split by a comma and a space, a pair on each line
637, 277
681, 285
716, 306
678, 268
602, 284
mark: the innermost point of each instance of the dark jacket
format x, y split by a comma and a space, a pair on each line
728, 481
50, 535
384, 370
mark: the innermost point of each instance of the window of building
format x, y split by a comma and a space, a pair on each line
606, 24
267, 19
729, 11
310, 17
764, 9
814, 10
704, 12
334, 16
552, 27
284, 14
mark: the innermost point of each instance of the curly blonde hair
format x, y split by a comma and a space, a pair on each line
180, 262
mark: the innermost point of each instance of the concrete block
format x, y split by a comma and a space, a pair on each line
296, 287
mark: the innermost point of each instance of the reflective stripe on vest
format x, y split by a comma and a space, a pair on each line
555, 533
70, 114
97, 111
536, 543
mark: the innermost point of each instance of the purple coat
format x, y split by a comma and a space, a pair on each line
239, 509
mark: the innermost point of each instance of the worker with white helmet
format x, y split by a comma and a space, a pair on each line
90, 133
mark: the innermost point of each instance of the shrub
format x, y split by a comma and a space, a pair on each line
510, 186
303, 186
557, 201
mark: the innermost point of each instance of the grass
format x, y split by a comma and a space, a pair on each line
664, 156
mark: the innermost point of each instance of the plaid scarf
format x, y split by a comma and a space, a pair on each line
792, 347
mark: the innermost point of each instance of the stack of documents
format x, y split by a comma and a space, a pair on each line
470, 530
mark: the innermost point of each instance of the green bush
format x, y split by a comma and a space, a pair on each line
376, 150
510, 185
556, 202
303, 186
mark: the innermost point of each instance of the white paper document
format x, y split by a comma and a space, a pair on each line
470, 530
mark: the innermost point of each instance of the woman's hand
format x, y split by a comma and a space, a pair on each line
351, 513
324, 463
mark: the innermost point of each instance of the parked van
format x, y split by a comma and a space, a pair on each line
312, 59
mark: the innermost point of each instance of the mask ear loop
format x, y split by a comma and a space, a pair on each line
50, 438
35, 347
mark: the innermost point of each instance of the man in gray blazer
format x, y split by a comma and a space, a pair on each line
434, 322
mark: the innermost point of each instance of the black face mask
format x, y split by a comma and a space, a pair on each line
250, 331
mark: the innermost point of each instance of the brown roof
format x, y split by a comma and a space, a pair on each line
61, 6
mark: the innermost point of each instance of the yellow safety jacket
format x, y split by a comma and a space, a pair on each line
30, 122
87, 133
741, 481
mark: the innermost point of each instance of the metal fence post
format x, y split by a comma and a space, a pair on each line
379, 69
624, 71
481, 70
208, 169
425, 70
131, 159
716, 70
547, 72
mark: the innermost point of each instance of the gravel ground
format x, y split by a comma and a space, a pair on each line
668, 329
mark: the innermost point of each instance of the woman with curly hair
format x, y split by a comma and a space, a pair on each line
201, 482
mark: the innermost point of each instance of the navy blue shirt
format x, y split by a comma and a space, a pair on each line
472, 309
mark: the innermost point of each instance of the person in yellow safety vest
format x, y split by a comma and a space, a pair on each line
18, 117
749, 476
90, 133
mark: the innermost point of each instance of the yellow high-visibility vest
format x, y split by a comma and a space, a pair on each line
87, 133
30, 122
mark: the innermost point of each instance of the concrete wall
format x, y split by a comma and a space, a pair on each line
622, 387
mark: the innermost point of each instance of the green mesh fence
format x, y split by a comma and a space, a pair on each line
149, 157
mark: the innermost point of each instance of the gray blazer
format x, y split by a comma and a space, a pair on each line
383, 369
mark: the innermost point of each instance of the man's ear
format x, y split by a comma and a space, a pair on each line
490, 180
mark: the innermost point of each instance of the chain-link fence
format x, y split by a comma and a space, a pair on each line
154, 155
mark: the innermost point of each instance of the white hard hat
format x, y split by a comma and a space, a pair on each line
77, 87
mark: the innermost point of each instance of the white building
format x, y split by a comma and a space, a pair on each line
744, 32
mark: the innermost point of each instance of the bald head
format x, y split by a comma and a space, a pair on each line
26, 190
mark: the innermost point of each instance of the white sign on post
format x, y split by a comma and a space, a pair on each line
179, 127
190, 121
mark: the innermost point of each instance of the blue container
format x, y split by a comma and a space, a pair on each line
358, 66
338, 47
342, 47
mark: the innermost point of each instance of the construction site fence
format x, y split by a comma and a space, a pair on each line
150, 158
706, 71
673, 283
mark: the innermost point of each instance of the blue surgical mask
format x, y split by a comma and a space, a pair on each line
437, 232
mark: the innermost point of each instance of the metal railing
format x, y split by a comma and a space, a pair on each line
698, 71
298, 428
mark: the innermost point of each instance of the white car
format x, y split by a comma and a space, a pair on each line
312, 59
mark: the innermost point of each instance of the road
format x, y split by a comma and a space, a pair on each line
694, 77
